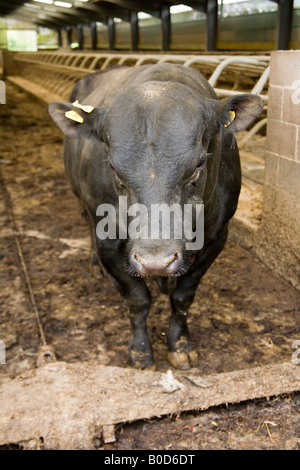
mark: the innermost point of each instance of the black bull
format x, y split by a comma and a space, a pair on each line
159, 135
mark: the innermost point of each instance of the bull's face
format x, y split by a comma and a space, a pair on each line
163, 144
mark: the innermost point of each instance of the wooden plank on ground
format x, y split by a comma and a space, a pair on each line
67, 404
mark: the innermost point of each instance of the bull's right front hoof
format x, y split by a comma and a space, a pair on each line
183, 361
140, 360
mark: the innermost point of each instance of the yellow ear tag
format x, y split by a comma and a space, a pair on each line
232, 116
85, 108
74, 116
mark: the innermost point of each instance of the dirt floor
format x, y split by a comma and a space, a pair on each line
243, 315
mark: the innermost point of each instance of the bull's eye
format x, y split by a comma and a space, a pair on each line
196, 173
119, 181
106, 139
201, 161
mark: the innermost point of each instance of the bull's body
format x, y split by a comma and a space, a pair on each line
146, 140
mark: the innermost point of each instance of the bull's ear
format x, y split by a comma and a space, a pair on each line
78, 120
237, 112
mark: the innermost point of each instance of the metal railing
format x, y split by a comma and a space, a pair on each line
242, 70
57, 72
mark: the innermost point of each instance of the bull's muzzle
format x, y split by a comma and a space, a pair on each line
156, 264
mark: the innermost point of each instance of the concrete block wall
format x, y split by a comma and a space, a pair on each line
278, 238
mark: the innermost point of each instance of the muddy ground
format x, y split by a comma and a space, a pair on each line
243, 315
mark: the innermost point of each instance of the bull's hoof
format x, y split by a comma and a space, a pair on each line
183, 361
95, 267
141, 360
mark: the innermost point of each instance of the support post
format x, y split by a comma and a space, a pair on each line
111, 33
166, 27
284, 23
59, 38
211, 25
94, 35
134, 22
69, 35
80, 36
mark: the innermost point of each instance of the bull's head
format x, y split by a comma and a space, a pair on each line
164, 144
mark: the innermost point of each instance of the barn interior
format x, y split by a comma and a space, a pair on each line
55, 316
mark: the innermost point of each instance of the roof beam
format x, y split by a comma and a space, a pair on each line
65, 12
13, 4
51, 15
34, 21
152, 8
196, 5
104, 9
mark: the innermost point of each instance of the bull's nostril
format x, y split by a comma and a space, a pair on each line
171, 258
140, 260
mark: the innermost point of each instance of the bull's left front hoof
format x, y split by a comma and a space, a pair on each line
183, 361
140, 360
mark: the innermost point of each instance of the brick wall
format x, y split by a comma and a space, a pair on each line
278, 239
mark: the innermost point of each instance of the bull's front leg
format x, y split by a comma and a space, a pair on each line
181, 354
137, 298
140, 349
